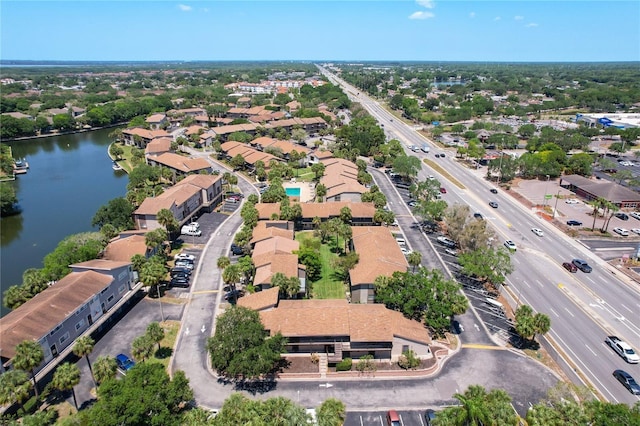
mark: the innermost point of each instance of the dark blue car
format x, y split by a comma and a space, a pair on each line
124, 362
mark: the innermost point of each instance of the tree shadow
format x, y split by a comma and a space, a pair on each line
522, 343
163, 352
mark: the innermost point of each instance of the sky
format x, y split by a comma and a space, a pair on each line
329, 30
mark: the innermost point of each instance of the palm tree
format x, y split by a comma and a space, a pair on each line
65, 378
332, 412
414, 259
223, 262
142, 348
231, 275
82, 348
474, 410
155, 333
168, 220
14, 387
29, 355
610, 208
597, 204
105, 368
541, 323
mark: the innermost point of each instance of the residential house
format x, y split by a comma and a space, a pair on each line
190, 196
158, 146
141, 137
285, 147
65, 310
361, 213
125, 246
266, 229
157, 121
276, 255
179, 164
340, 329
341, 180
318, 156
250, 155
379, 255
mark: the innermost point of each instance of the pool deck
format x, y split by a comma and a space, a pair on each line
307, 190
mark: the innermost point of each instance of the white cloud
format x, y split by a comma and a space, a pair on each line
184, 8
497, 18
518, 18
531, 25
426, 3
472, 15
205, 10
421, 15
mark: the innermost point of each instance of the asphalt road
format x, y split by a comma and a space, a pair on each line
583, 308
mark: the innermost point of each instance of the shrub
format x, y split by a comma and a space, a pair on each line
344, 365
315, 358
366, 363
408, 360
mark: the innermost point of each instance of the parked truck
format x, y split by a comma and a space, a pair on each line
623, 349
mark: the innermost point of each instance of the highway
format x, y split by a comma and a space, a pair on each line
583, 308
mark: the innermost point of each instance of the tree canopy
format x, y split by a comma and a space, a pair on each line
240, 347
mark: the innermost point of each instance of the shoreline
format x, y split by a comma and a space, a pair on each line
50, 135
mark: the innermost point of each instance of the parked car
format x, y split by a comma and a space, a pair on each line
233, 294
179, 281
124, 363
622, 216
393, 419
429, 417
186, 256
450, 251
510, 245
447, 242
443, 190
412, 203
574, 223
236, 249
636, 230
493, 204
582, 265
537, 231
570, 267
621, 231
180, 270
627, 381
635, 215
571, 201
184, 264
191, 232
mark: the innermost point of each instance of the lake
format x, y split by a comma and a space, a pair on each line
69, 178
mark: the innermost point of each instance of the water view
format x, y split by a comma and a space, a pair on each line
69, 178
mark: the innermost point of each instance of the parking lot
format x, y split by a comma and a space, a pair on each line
407, 418
208, 223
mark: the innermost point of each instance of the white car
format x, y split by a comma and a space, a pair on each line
571, 201
636, 231
450, 251
635, 215
621, 231
405, 251
185, 256
510, 245
537, 231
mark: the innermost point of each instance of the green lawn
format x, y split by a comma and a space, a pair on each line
328, 286
304, 175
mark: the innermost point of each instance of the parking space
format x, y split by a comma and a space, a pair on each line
484, 301
407, 418
208, 222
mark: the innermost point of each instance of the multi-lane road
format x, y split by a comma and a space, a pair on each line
583, 308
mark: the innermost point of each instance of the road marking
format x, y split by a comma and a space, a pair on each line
539, 283
526, 283
589, 278
569, 312
205, 291
626, 308
203, 328
554, 312
480, 346
591, 350
325, 385
186, 331
516, 260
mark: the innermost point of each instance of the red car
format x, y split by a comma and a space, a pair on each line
443, 190
569, 266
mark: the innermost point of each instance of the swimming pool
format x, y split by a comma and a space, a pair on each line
292, 192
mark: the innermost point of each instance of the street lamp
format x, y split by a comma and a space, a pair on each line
545, 191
